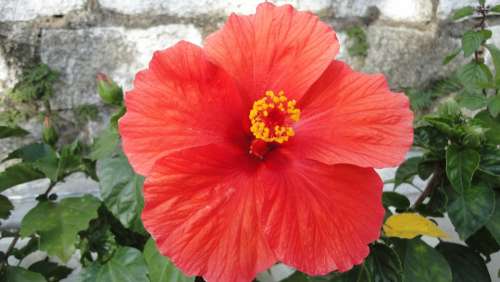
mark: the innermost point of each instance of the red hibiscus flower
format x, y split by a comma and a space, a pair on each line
260, 148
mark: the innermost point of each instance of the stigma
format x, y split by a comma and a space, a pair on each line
272, 118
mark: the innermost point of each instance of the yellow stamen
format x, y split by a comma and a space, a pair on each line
261, 116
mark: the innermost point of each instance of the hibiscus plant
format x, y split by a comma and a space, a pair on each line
257, 153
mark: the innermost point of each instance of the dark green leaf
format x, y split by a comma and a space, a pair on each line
444, 125
58, 224
5, 207
407, 171
121, 189
426, 168
422, 263
466, 265
126, 265
436, 206
491, 124
430, 138
471, 210
494, 105
160, 268
6, 132
50, 270
462, 13
473, 39
105, 144
490, 161
451, 56
461, 163
393, 199
495, 9
483, 242
31, 152
383, 264
17, 174
493, 224
19, 274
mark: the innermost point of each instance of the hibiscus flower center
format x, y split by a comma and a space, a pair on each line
271, 119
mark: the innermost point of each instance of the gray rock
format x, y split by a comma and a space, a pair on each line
23, 10
191, 8
119, 52
394, 10
408, 57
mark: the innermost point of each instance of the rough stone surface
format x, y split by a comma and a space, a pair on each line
80, 54
446, 7
189, 8
394, 10
408, 57
23, 10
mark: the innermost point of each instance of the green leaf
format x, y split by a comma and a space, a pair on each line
461, 163
121, 189
126, 265
160, 268
451, 56
494, 105
466, 265
383, 264
462, 13
471, 210
58, 224
483, 242
6, 132
19, 274
495, 9
407, 171
105, 145
495, 56
436, 206
473, 75
17, 174
490, 161
5, 207
471, 101
422, 263
393, 199
493, 224
473, 39
31, 152
491, 124
50, 270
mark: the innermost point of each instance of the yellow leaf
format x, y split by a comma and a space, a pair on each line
410, 225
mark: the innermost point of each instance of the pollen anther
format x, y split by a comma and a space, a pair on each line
271, 117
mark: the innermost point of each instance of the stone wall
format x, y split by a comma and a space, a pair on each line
407, 39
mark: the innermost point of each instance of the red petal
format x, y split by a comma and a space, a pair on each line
278, 48
321, 218
203, 210
351, 117
181, 101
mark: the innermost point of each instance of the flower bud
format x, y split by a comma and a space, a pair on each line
49, 133
109, 91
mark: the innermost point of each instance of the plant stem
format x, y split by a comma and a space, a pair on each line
9, 251
51, 186
433, 183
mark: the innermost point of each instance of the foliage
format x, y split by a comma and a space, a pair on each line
358, 45
460, 159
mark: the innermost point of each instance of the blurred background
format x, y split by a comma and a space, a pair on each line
404, 39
